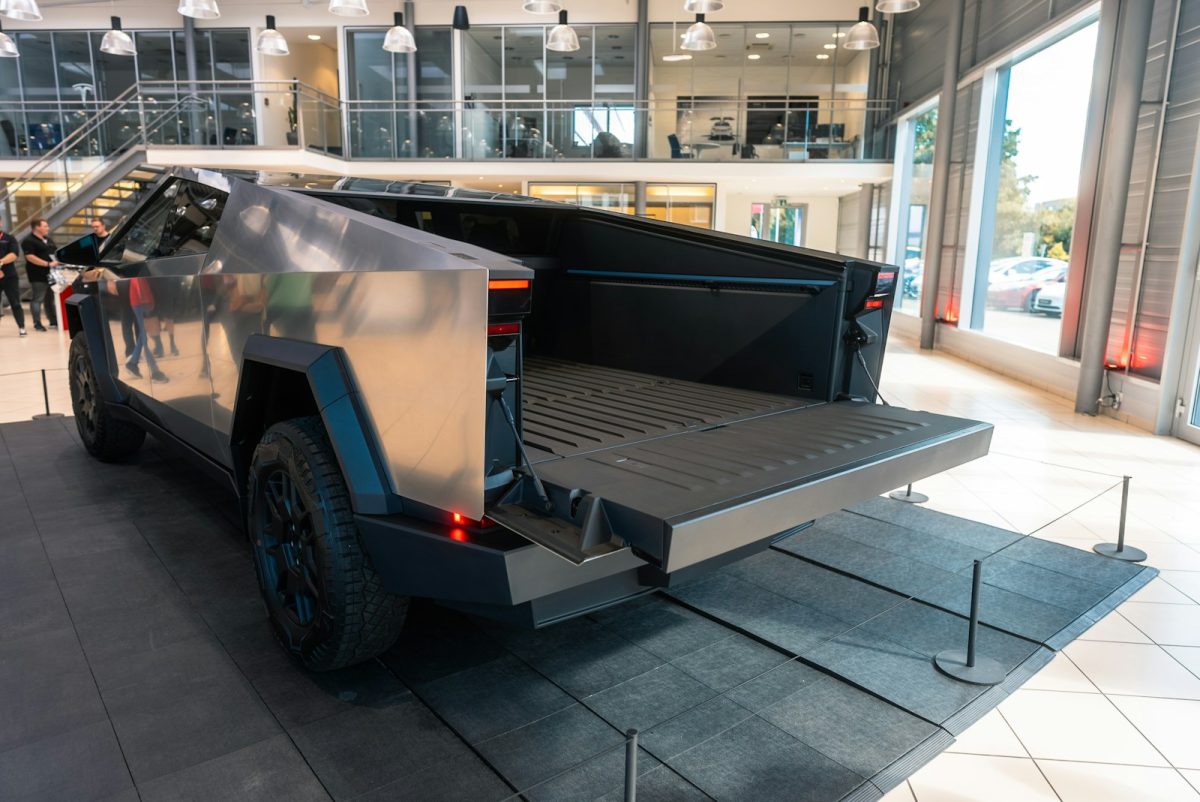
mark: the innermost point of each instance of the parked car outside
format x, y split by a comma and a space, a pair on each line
1016, 285
1050, 298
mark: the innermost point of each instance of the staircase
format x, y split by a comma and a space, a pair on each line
112, 202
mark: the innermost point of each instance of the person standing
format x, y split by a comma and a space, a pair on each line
99, 229
39, 258
9, 283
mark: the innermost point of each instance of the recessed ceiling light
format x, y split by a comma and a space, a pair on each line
754, 56
840, 35
677, 57
830, 46
762, 35
822, 57
316, 37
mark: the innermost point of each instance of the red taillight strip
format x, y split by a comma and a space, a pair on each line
508, 284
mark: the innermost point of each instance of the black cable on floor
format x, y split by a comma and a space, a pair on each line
862, 361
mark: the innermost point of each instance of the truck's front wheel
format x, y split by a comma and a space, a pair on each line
105, 438
325, 601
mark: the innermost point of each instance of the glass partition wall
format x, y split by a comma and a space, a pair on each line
62, 78
913, 179
524, 101
392, 114
687, 204
767, 91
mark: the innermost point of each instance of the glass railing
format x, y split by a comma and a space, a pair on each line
288, 114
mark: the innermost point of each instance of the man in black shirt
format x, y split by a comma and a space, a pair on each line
39, 258
9, 284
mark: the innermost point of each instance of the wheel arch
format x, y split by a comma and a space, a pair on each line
84, 319
282, 379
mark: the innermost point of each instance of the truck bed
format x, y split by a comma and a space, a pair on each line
686, 472
572, 408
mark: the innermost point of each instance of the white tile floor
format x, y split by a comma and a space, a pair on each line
1116, 715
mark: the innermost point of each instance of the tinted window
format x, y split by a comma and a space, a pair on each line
192, 223
181, 219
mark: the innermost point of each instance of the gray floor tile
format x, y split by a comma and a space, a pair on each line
692, 727
593, 778
1043, 584
928, 630
182, 705
755, 761
944, 553
45, 688
268, 770
544, 749
666, 629
900, 675
730, 662
1002, 608
790, 626
460, 777
1072, 562
581, 656
81, 764
485, 701
824, 591
660, 784
366, 748
857, 730
654, 697
37, 608
971, 533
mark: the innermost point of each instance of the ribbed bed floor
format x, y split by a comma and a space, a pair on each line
135, 661
570, 407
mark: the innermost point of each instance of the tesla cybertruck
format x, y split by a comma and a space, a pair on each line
521, 409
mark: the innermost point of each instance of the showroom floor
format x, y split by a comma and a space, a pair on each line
1112, 717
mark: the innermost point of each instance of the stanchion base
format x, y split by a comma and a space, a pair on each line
1128, 554
911, 498
953, 663
42, 415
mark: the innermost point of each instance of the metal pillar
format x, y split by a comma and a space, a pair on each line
193, 73
866, 204
639, 198
1118, 550
641, 82
1116, 166
1175, 355
941, 176
410, 22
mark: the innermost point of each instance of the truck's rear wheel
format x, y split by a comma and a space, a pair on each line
325, 601
106, 438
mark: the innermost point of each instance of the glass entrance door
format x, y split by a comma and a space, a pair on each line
778, 222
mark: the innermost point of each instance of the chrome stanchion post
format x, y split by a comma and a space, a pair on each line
907, 495
1118, 550
967, 666
46, 400
631, 748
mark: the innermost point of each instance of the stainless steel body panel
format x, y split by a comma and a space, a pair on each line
408, 308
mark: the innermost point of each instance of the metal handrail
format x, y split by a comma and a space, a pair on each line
138, 138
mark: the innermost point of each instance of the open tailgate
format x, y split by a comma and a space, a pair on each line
684, 497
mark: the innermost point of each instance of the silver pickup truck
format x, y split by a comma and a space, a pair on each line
521, 409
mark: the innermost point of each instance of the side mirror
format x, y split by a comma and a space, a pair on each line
83, 252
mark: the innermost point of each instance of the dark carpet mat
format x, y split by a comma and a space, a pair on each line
135, 661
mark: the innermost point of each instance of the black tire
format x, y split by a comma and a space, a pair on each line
1031, 304
324, 600
105, 438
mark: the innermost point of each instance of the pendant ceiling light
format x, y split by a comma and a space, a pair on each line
348, 8
703, 6
116, 42
8, 48
271, 42
542, 6
199, 9
399, 39
699, 36
675, 55
24, 10
461, 21
862, 36
897, 6
562, 38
